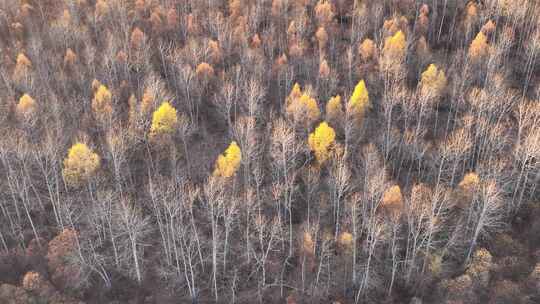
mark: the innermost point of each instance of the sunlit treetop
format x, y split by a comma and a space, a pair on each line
395, 46
228, 163
321, 142
102, 102
80, 164
359, 101
22, 60
26, 108
479, 47
204, 71
433, 81
164, 120
392, 201
470, 182
334, 109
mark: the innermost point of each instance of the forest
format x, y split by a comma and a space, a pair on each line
270, 151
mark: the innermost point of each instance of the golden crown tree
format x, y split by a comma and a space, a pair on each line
302, 107
164, 121
334, 109
359, 101
80, 164
392, 202
433, 82
26, 109
102, 103
228, 163
321, 142
22, 67
479, 47
394, 51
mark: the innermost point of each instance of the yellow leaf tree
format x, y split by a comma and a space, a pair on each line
26, 108
102, 103
392, 202
321, 142
80, 164
394, 50
22, 68
359, 102
164, 120
433, 82
228, 163
334, 109
302, 107
479, 47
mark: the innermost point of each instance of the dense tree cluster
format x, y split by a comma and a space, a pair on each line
270, 151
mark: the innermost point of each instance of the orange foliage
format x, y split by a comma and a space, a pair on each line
215, 51
488, 28
172, 19
324, 12
70, 58
322, 37
156, 21
137, 38
102, 9
324, 69
60, 248
204, 71
392, 202
367, 50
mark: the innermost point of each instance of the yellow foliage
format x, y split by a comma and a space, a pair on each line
470, 181
321, 141
392, 201
22, 67
395, 48
80, 164
334, 109
346, 239
228, 163
164, 120
22, 60
433, 81
466, 189
296, 92
102, 102
479, 47
26, 108
359, 101
304, 107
